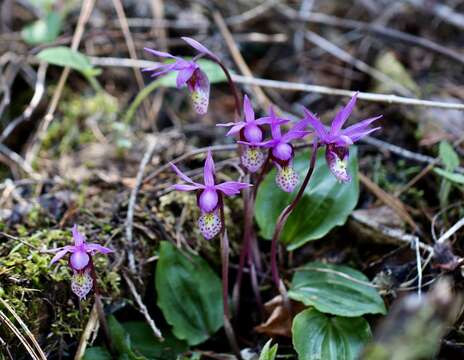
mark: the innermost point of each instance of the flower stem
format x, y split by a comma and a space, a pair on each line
100, 310
282, 219
233, 88
225, 283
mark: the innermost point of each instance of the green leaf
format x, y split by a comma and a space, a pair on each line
189, 294
448, 156
325, 204
335, 289
64, 56
317, 336
211, 69
97, 353
451, 176
145, 343
268, 352
42, 31
121, 340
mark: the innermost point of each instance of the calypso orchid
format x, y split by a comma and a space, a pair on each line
188, 73
337, 140
80, 262
281, 150
251, 134
209, 196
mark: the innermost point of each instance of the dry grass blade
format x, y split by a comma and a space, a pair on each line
238, 58
36, 142
92, 325
133, 197
143, 308
294, 86
25, 328
20, 336
392, 202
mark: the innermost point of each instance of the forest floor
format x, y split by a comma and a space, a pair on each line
88, 150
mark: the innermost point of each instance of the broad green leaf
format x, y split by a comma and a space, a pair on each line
189, 294
121, 340
64, 56
43, 31
448, 156
97, 353
144, 342
268, 352
335, 289
211, 69
317, 336
325, 204
451, 176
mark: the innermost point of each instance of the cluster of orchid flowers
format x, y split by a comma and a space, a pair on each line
250, 132
250, 135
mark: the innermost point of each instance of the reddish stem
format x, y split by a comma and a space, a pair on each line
225, 282
100, 310
282, 219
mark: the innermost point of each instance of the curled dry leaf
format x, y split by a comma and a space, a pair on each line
279, 322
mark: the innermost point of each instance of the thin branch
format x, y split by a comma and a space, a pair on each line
371, 29
345, 56
18, 160
25, 328
36, 142
451, 231
130, 45
152, 146
39, 91
18, 334
293, 86
238, 58
92, 324
143, 308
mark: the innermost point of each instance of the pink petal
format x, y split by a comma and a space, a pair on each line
360, 126
208, 200
210, 225
252, 133
199, 92
79, 260
342, 115
282, 151
79, 239
252, 159
182, 175
184, 75
160, 53
60, 253
338, 166
248, 110
197, 46
236, 129
360, 135
316, 124
81, 283
182, 187
294, 134
208, 170
287, 178
232, 187
97, 248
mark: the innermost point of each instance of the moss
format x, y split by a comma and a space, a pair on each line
70, 130
40, 294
